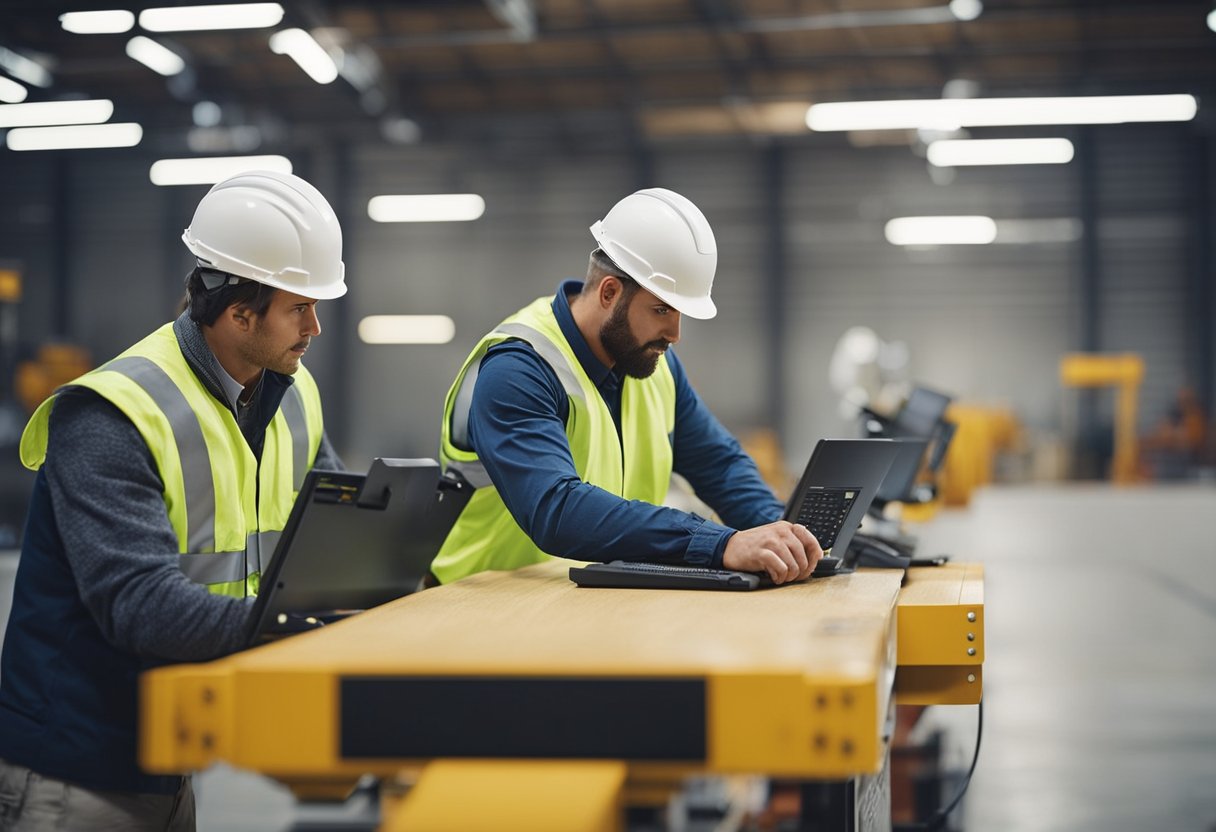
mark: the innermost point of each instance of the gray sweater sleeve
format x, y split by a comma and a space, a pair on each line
110, 512
327, 458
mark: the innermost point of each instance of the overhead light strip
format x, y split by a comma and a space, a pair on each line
75, 137
940, 231
23, 68
426, 207
198, 18
406, 329
110, 21
11, 92
947, 153
43, 113
306, 52
212, 169
953, 113
155, 56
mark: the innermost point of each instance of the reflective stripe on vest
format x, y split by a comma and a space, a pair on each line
224, 567
293, 411
191, 447
472, 470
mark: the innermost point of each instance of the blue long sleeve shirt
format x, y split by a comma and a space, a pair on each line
517, 426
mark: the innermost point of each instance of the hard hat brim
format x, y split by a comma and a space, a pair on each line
699, 308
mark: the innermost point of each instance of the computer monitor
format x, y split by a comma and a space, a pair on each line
920, 415
901, 476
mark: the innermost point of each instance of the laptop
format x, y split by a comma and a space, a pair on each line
837, 486
920, 414
354, 541
901, 476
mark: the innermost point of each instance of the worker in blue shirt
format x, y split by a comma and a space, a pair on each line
571, 415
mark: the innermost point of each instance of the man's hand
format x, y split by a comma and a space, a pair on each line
786, 551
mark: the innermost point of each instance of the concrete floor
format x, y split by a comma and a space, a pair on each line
1100, 671
1100, 662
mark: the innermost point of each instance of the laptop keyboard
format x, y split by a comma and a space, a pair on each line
824, 510
620, 573
633, 574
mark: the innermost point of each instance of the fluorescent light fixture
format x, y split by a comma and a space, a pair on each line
77, 136
965, 9
953, 113
947, 153
226, 16
97, 23
407, 329
310, 55
1212, 20
208, 171
23, 68
426, 207
10, 91
940, 231
38, 113
154, 56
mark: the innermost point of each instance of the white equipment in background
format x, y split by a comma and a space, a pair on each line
868, 372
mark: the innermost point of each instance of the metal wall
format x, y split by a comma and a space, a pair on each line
101, 255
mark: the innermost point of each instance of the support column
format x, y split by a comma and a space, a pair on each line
1087, 464
1200, 309
776, 285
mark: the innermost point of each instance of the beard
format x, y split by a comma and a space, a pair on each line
632, 357
261, 351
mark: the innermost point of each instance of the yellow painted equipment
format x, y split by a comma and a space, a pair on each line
941, 636
1124, 371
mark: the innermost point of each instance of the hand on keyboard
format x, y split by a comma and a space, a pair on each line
785, 551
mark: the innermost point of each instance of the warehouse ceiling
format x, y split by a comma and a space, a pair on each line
637, 69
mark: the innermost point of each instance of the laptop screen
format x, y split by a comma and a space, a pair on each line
355, 541
920, 414
839, 483
901, 476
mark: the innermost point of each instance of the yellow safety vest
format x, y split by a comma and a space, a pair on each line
635, 465
227, 514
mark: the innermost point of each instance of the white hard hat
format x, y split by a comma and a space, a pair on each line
274, 228
664, 242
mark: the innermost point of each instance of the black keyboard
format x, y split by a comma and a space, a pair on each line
634, 575
823, 511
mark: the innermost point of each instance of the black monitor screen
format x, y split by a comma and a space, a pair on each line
901, 476
920, 414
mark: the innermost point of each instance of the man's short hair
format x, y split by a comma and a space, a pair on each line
207, 304
601, 266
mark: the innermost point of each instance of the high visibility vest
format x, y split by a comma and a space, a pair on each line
226, 510
635, 465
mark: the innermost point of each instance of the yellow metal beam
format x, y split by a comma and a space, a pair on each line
512, 796
939, 685
941, 635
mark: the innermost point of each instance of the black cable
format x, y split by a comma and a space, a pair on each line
939, 817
